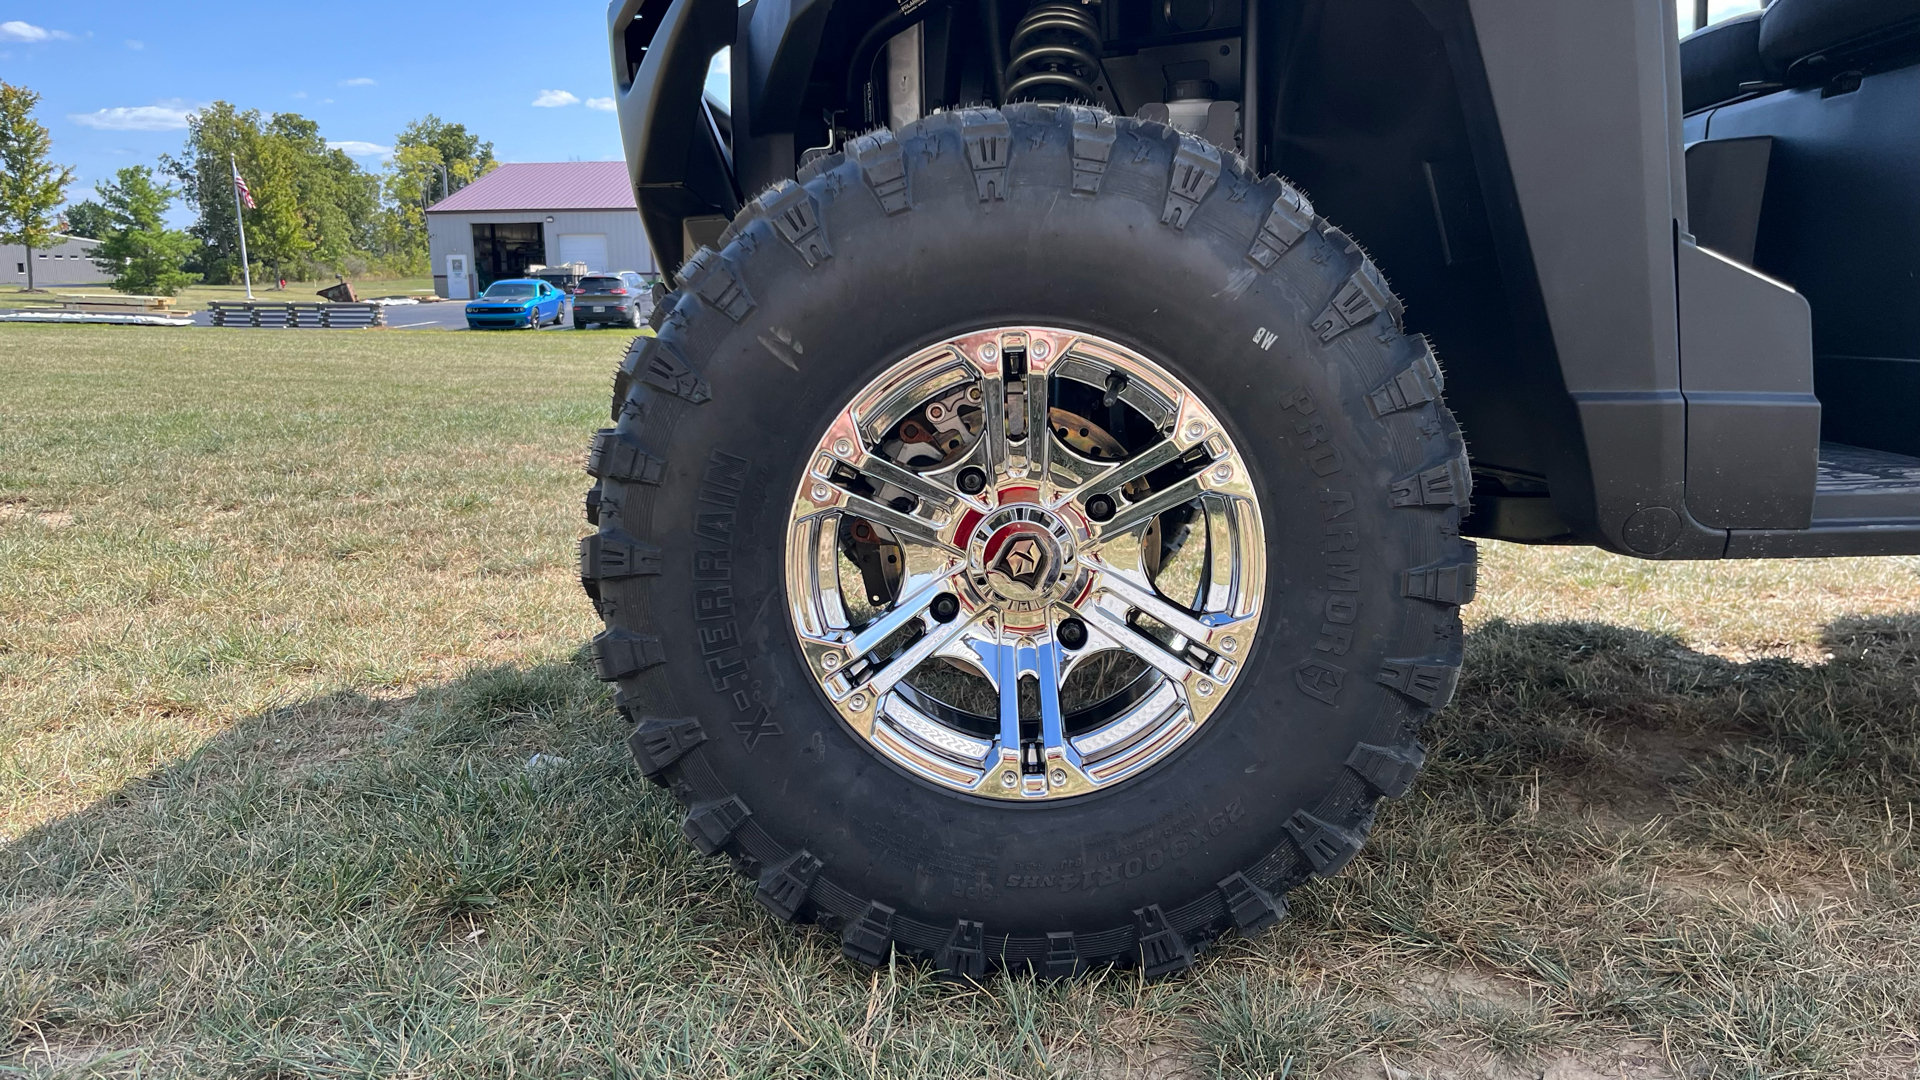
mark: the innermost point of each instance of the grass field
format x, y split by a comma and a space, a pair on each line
195, 297
283, 620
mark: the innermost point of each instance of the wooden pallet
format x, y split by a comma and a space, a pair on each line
297, 316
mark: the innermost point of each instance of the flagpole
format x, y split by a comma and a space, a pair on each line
246, 270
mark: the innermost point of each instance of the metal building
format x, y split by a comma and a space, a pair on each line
530, 214
67, 263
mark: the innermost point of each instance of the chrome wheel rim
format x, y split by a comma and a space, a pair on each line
1033, 601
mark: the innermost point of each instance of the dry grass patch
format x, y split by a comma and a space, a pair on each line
270, 702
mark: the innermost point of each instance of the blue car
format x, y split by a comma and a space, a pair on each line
517, 302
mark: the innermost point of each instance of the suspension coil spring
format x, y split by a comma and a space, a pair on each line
1055, 53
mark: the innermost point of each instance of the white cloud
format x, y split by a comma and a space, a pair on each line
356, 148
168, 115
299, 93
554, 99
136, 46
360, 81
604, 104
15, 30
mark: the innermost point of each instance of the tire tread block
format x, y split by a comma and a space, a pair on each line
1252, 907
783, 887
987, 137
1416, 385
1195, 171
1454, 583
964, 954
712, 277
1290, 219
620, 654
883, 165
658, 742
868, 939
796, 217
709, 825
1163, 951
1094, 133
1328, 847
1063, 956
1429, 681
1387, 770
612, 554
616, 455
1448, 484
1364, 296
657, 362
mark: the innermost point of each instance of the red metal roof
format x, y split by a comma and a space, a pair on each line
546, 185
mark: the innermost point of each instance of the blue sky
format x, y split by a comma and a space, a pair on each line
118, 78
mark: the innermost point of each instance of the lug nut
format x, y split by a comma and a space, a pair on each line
821, 493
1039, 350
1223, 473
1230, 645
1196, 429
1073, 634
945, 607
830, 661
1007, 779
989, 351
1100, 508
859, 702
972, 481
843, 447
1205, 688
1059, 778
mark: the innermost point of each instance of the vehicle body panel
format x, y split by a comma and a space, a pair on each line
495, 310
1607, 368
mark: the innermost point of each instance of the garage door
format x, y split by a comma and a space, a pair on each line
589, 248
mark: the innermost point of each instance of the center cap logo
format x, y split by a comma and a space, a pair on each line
1021, 557
1023, 560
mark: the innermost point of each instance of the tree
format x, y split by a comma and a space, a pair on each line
142, 254
431, 160
31, 187
89, 219
313, 205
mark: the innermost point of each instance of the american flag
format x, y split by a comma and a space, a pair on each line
240, 188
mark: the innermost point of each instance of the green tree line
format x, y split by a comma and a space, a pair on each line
316, 211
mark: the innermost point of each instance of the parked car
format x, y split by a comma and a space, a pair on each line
517, 302
563, 276
616, 299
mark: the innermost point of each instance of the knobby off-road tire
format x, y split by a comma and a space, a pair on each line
1053, 217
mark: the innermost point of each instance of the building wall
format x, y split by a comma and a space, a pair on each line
60, 266
451, 233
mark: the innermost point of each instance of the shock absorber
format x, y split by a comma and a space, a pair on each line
1055, 54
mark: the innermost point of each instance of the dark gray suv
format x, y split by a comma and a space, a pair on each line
619, 298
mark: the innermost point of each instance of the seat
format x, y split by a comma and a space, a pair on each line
1803, 33
1714, 61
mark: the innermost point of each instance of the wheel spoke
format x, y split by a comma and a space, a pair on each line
905, 526
1175, 618
884, 680
879, 468
907, 610
1110, 481
1131, 516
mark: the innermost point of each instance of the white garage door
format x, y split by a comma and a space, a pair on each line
589, 248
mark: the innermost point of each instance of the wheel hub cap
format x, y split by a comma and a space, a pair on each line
1025, 563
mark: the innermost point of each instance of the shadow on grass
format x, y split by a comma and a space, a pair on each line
356, 886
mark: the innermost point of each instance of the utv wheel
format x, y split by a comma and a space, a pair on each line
1029, 541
